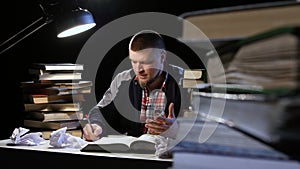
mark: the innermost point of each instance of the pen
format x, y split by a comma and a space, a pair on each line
89, 123
88, 131
92, 129
91, 126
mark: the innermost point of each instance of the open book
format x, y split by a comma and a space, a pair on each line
123, 144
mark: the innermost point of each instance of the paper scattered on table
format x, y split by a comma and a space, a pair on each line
161, 144
20, 136
60, 139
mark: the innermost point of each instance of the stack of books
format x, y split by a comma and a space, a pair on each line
54, 98
261, 94
269, 60
192, 78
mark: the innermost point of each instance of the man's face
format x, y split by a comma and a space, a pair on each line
147, 63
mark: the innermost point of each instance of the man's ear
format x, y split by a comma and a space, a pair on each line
163, 56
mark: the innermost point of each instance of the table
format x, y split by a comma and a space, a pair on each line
31, 156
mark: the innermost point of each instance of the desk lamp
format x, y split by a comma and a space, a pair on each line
68, 23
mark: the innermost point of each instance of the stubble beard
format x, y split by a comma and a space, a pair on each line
143, 83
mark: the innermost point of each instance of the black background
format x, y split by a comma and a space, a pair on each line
44, 46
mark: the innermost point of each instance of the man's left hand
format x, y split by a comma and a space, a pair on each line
162, 125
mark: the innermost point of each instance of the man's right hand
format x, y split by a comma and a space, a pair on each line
91, 132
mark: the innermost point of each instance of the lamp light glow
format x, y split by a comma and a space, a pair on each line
74, 22
75, 30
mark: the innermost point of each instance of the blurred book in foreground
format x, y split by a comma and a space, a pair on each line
270, 59
227, 147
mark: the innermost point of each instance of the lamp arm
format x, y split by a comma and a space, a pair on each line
26, 35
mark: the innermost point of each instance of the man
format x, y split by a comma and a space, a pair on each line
144, 99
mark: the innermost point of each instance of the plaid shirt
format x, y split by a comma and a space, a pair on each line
153, 104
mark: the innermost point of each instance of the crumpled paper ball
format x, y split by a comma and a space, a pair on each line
20, 136
60, 138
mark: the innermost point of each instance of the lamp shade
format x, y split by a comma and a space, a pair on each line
74, 22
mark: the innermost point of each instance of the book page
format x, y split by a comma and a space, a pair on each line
113, 139
144, 144
118, 143
147, 138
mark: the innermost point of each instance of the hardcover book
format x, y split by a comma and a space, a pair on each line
57, 76
199, 160
73, 85
52, 125
53, 107
57, 66
58, 90
74, 132
54, 115
269, 117
227, 148
193, 73
192, 83
193, 77
44, 98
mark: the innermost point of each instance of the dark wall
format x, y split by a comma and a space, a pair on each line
43, 46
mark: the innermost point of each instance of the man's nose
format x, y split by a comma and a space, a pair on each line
140, 67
